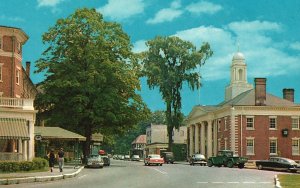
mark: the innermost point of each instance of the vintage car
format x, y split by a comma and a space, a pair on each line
226, 158
168, 157
135, 158
198, 159
278, 163
154, 159
94, 160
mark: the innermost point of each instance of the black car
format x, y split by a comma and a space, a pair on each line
198, 159
168, 157
106, 160
278, 163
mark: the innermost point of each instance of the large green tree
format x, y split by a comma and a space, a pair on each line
91, 77
168, 64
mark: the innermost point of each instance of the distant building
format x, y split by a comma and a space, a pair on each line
138, 146
17, 93
250, 121
157, 138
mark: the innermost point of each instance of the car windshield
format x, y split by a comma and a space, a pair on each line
290, 161
199, 156
154, 156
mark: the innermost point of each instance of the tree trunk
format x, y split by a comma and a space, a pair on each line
87, 143
170, 134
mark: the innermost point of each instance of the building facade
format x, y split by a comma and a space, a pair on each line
250, 121
138, 146
157, 138
17, 93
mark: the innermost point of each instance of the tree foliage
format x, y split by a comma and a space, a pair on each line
91, 76
169, 63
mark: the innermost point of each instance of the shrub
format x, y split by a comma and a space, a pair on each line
13, 166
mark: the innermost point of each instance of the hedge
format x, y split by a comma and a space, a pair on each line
14, 166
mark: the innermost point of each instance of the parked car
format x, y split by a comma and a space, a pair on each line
227, 158
278, 163
106, 160
95, 160
198, 159
135, 158
154, 159
168, 157
127, 157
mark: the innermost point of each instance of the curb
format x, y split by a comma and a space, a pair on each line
277, 183
10, 181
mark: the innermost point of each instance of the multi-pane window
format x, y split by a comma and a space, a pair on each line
249, 123
225, 143
295, 123
295, 147
273, 146
18, 76
1, 71
225, 123
219, 125
250, 146
272, 123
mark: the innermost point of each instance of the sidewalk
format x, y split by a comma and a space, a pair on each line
17, 178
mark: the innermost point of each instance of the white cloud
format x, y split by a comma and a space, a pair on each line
165, 15
139, 46
120, 10
203, 7
264, 56
253, 26
48, 3
11, 19
295, 46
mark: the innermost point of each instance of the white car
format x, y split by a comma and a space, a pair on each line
95, 161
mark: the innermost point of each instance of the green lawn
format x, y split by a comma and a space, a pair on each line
289, 180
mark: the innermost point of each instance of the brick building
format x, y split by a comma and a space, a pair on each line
17, 93
250, 121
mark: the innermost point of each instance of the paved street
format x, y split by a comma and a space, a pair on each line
127, 174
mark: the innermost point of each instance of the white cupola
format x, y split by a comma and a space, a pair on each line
238, 80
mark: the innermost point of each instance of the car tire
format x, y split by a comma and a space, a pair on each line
229, 164
242, 165
209, 163
260, 167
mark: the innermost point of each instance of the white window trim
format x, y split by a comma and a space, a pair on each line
19, 76
273, 139
253, 152
225, 143
297, 139
1, 72
248, 128
297, 118
273, 117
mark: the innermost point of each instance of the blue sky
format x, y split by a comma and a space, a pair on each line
266, 31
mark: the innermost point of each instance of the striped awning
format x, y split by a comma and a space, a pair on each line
13, 129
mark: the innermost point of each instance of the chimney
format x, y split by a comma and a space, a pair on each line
260, 91
288, 94
28, 68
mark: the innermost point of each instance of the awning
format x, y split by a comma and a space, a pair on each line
57, 133
13, 129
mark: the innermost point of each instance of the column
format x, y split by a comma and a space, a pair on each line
209, 139
31, 140
191, 140
24, 150
20, 148
215, 125
196, 138
202, 137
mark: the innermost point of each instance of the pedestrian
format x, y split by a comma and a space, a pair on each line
61, 159
51, 157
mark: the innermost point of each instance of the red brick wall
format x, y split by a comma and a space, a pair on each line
262, 133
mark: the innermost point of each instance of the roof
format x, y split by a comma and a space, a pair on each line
141, 139
57, 133
247, 98
13, 129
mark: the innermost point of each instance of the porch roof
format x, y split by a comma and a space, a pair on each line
57, 133
13, 129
